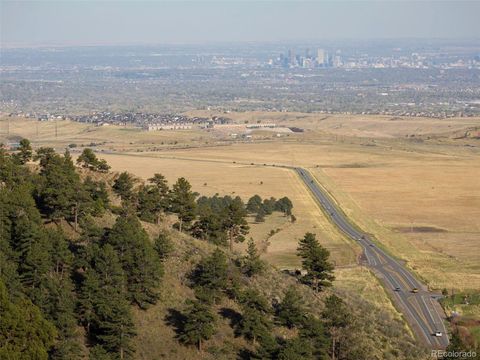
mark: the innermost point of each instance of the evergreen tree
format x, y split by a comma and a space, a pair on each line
153, 199
254, 204
296, 349
111, 324
209, 226
315, 262
337, 318
211, 275
58, 305
269, 205
99, 353
163, 246
290, 311
284, 205
103, 166
88, 159
162, 195
60, 192
97, 200
24, 151
268, 348
183, 202
87, 295
138, 258
235, 223
199, 324
24, 333
255, 323
260, 217
123, 186
252, 264
314, 332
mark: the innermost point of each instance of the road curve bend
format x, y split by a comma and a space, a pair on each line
419, 307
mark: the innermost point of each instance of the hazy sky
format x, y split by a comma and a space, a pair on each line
130, 22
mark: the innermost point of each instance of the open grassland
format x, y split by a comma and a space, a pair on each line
374, 126
232, 179
111, 137
425, 212
419, 198
421, 201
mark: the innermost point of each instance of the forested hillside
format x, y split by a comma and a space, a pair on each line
95, 265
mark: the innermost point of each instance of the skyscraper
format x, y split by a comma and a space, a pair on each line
321, 57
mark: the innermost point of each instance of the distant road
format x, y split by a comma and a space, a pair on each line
421, 309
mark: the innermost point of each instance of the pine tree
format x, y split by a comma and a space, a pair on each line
183, 202
123, 186
161, 195
112, 324
199, 324
163, 246
252, 264
88, 159
290, 311
260, 217
103, 166
210, 275
254, 204
337, 318
284, 205
138, 258
314, 332
315, 262
24, 333
87, 295
152, 201
60, 191
296, 349
255, 323
209, 226
235, 223
114, 328
24, 151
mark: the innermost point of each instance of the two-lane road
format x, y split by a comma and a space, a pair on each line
420, 308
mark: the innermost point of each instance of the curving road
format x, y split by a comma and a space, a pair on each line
421, 309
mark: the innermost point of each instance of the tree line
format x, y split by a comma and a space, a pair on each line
61, 272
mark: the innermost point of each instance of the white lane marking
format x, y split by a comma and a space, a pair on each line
415, 318
441, 320
429, 312
370, 260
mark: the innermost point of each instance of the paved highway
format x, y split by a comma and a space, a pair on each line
421, 308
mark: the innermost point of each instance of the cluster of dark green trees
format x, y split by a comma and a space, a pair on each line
218, 276
52, 283
261, 208
89, 160
68, 286
219, 220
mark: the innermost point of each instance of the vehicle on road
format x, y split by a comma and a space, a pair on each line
438, 333
414, 290
397, 289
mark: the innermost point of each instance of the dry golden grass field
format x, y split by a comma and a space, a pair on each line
420, 198
209, 178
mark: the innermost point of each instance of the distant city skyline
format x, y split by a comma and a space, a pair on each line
37, 23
